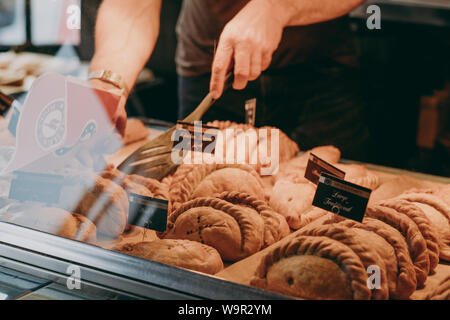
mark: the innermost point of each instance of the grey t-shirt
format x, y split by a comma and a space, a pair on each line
202, 21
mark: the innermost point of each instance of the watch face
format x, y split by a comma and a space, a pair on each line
51, 125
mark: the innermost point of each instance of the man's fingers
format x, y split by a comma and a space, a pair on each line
241, 67
266, 60
256, 66
121, 125
222, 62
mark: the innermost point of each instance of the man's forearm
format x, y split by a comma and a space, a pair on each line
306, 12
125, 36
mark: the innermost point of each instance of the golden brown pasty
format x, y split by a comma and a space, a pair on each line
313, 268
404, 283
86, 229
257, 151
443, 193
360, 175
210, 180
416, 243
294, 202
55, 221
137, 184
186, 254
234, 231
439, 215
100, 200
396, 186
369, 247
288, 148
423, 223
275, 225
294, 169
442, 292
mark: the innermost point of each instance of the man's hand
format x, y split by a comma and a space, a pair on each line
119, 119
248, 41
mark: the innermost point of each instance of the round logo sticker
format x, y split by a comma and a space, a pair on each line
51, 125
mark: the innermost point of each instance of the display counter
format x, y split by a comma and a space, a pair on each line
103, 266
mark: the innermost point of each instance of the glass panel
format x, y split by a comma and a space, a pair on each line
14, 284
55, 22
12, 22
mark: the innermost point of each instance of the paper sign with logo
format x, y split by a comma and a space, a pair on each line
60, 117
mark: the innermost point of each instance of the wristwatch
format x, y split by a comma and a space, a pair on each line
110, 77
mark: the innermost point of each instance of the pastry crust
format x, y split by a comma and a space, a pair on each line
294, 202
328, 269
423, 223
235, 231
439, 215
287, 147
294, 169
442, 292
360, 175
396, 186
406, 281
186, 254
365, 250
209, 180
101, 200
54, 221
256, 151
50, 220
275, 225
416, 243
137, 184
86, 229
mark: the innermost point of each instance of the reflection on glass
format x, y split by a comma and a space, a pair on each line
12, 22
55, 22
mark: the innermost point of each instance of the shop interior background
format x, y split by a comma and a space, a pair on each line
406, 66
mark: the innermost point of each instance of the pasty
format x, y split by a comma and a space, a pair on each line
234, 231
294, 202
405, 282
416, 243
423, 223
368, 246
275, 225
313, 268
55, 221
439, 215
180, 253
294, 169
210, 180
360, 175
100, 200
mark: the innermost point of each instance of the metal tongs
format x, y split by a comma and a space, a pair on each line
153, 160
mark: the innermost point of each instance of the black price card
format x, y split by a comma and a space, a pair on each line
317, 166
202, 138
250, 112
28, 186
149, 213
340, 197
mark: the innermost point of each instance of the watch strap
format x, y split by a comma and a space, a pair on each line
110, 77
